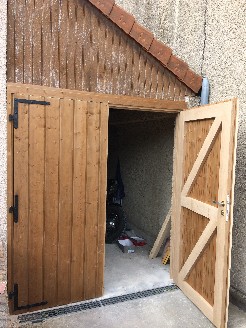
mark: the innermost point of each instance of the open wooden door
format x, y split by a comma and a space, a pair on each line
57, 187
202, 206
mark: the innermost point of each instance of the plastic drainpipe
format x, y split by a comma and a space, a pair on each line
205, 91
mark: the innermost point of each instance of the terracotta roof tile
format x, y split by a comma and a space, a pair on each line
146, 39
160, 51
122, 18
193, 80
142, 35
177, 66
104, 5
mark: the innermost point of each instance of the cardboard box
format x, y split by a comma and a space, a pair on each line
126, 246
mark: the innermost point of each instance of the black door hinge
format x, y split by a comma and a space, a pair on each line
15, 209
14, 117
14, 296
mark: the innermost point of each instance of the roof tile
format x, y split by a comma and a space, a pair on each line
193, 80
142, 35
104, 5
122, 18
177, 66
160, 51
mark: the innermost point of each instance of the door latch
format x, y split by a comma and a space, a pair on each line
224, 204
219, 203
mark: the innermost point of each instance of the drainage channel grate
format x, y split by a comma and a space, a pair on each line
46, 314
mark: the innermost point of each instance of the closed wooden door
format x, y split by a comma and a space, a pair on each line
58, 186
202, 206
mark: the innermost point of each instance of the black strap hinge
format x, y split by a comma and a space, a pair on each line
15, 209
14, 296
14, 117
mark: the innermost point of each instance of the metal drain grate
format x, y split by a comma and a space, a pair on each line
46, 314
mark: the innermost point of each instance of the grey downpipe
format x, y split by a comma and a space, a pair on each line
205, 91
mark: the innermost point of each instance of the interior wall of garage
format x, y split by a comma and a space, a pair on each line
210, 36
145, 151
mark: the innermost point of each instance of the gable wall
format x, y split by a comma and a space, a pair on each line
76, 47
210, 36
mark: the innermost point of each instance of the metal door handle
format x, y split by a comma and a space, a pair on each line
219, 203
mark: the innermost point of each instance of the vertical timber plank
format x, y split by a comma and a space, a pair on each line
108, 60
46, 42
115, 68
63, 42
104, 112
11, 41
93, 52
72, 31
86, 43
79, 189
21, 177
92, 191
37, 42
231, 185
36, 200
153, 85
225, 187
78, 47
19, 40
177, 186
54, 60
129, 68
101, 53
51, 200
28, 42
65, 199
142, 73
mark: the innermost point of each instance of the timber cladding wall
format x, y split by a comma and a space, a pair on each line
69, 44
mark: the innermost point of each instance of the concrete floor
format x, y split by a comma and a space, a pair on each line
127, 273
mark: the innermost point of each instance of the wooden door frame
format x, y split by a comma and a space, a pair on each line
114, 101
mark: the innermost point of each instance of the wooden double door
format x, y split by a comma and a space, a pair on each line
57, 198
